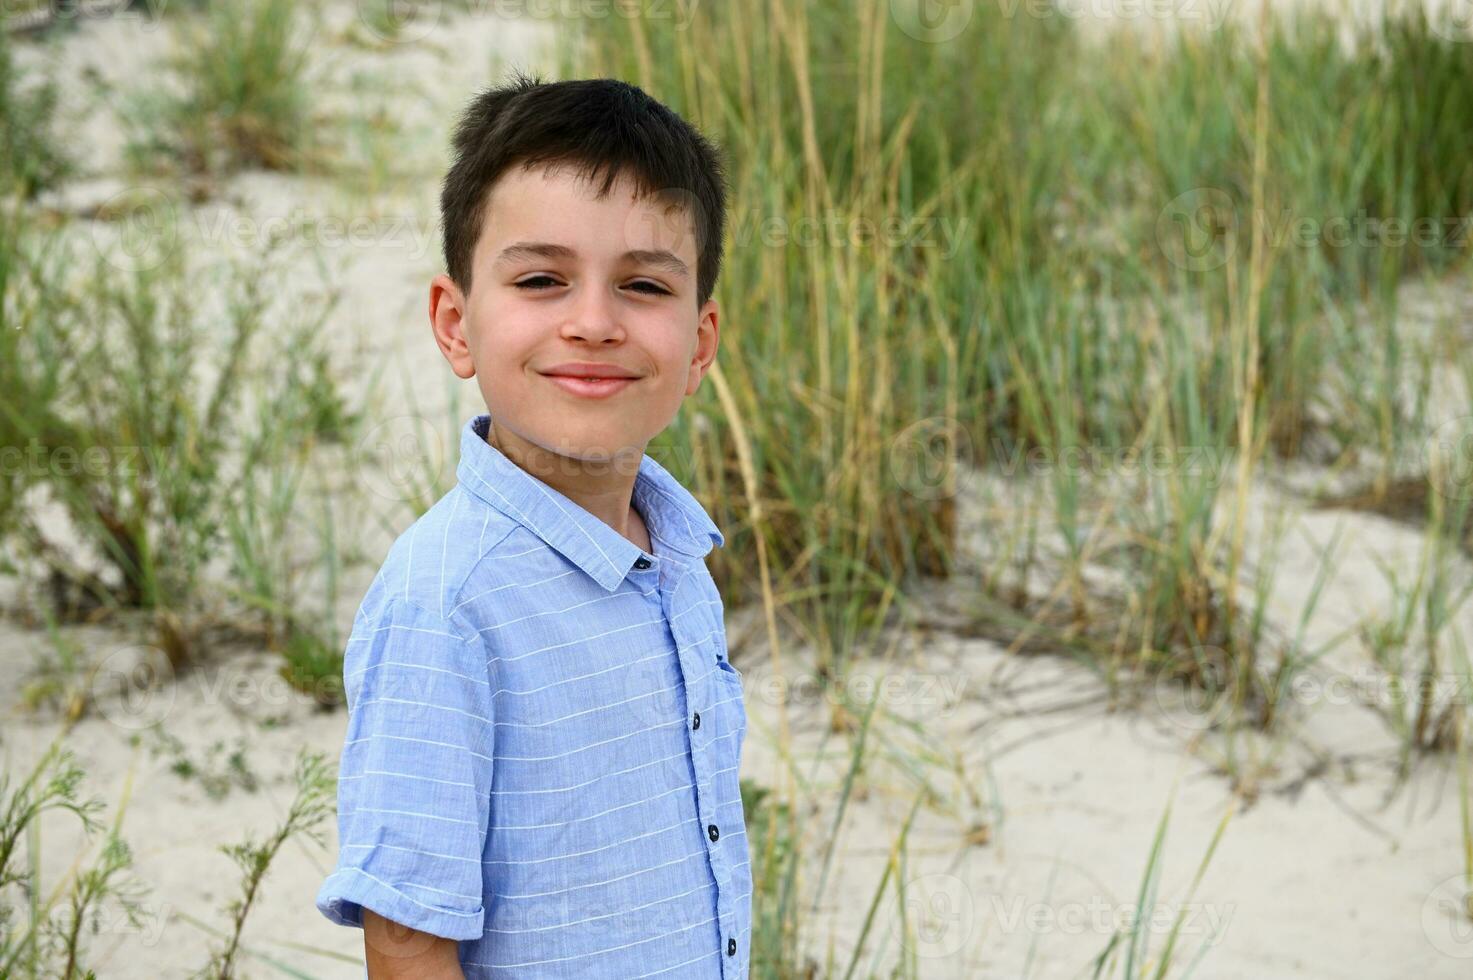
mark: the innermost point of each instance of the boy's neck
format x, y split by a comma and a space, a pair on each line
604, 489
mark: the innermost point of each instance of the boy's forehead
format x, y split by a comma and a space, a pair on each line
557, 206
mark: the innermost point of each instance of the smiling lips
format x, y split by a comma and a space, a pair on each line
590, 380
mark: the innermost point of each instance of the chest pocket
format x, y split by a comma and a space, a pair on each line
727, 699
730, 704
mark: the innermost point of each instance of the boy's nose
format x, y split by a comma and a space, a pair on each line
593, 318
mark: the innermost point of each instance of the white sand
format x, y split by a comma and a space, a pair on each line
1317, 878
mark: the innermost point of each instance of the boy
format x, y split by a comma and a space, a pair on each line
539, 776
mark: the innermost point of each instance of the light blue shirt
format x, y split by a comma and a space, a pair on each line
544, 736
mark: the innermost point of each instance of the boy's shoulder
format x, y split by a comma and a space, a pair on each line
430, 561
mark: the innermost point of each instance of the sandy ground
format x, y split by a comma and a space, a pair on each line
1322, 875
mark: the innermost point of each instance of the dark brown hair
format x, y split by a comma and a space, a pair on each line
594, 126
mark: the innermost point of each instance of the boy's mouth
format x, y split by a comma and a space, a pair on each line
590, 380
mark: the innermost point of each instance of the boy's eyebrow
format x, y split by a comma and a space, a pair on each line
659, 257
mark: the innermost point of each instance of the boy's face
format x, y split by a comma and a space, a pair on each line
586, 299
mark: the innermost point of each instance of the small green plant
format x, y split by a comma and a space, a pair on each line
292, 596
29, 264
239, 95
216, 777
314, 666
31, 158
46, 944
59, 680
1417, 643
132, 399
107, 877
1127, 954
130, 348
771, 836
312, 805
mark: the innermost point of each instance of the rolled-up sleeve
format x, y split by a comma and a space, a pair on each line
414, 782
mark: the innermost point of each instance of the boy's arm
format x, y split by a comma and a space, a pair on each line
414, 783
391, 951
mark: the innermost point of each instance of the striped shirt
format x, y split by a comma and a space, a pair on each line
544, 735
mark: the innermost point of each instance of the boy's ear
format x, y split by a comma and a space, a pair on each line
447, 321
708, 333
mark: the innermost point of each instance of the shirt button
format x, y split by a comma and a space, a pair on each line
731, 947
696, 720
642, 562
712, 832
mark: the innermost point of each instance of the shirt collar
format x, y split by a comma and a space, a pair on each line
669, 510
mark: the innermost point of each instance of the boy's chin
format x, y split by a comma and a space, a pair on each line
593, 448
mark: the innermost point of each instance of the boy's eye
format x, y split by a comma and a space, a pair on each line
648, 287
651, 288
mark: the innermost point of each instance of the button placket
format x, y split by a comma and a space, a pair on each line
692, 667
694, 672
